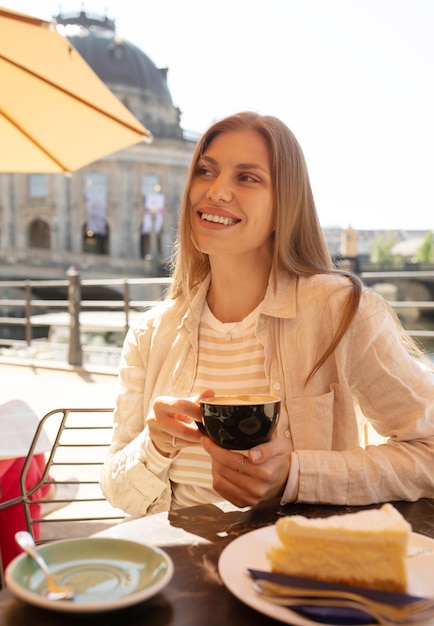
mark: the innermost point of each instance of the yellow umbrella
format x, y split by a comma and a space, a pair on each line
56, 115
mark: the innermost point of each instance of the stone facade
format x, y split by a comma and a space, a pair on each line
51, 211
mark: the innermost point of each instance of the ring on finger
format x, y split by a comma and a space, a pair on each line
241, 463
174, 441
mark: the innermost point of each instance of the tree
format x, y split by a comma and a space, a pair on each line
425, 253
382, 250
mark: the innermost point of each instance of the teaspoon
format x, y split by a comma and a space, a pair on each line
54, 591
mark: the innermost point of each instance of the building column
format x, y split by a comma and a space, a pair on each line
10, 210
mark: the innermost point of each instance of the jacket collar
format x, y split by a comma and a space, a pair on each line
282, 300
278, 302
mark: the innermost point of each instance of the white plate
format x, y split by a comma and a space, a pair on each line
106, 573
249, 550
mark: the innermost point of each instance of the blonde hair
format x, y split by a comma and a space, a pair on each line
299, 244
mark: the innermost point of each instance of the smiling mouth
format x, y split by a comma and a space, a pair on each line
218, 219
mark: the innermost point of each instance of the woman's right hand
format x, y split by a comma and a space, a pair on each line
172, 422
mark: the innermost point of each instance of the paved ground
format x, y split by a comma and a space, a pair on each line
46, 389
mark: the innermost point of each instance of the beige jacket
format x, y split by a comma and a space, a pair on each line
370, 374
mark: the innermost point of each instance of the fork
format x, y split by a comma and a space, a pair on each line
412, 612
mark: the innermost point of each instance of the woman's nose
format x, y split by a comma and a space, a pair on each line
219, 191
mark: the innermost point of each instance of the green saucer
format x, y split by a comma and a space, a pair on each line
105, 573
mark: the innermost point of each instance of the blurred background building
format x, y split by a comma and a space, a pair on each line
122, 207
119, 215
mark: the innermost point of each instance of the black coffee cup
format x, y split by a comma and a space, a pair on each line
239, 422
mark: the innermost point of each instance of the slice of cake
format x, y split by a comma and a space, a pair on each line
365, 549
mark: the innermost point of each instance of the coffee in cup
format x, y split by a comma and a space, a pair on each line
239, 422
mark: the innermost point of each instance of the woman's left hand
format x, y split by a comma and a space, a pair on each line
248, 480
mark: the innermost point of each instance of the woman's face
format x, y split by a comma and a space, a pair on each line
231, 196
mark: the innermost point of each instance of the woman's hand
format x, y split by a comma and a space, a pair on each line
171, 422
248, 480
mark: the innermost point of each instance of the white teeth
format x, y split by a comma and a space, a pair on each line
217, 219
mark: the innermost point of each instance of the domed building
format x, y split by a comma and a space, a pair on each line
126, 70
121, 210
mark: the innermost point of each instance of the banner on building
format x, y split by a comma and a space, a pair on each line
96, 205
153, 214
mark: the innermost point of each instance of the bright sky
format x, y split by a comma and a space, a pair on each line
353, 79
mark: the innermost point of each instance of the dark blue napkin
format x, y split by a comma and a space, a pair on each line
332, 615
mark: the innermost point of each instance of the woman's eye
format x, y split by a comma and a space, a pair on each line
203, 171
248, 178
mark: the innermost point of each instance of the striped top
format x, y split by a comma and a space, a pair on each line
230, 361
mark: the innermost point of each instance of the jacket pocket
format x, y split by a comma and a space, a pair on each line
311, 421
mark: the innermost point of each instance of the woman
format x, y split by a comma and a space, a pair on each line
256, 307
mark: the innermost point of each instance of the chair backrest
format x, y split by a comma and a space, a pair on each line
80, 439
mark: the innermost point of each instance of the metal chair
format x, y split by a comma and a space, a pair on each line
81, 437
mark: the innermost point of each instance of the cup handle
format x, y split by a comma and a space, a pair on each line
202, 428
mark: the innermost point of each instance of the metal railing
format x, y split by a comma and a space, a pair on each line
77, 313
80, 314
408, 310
